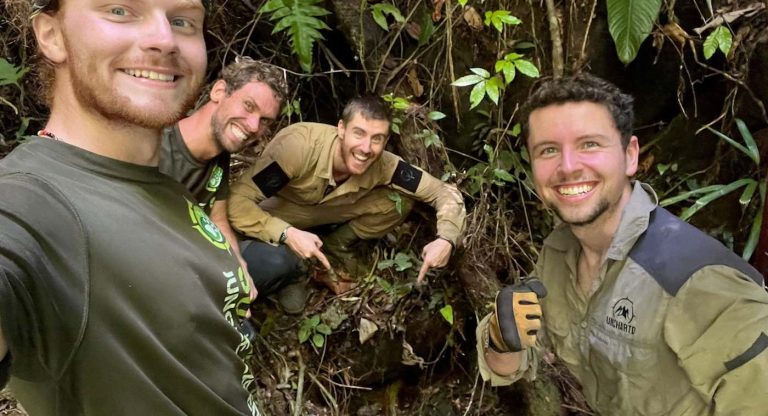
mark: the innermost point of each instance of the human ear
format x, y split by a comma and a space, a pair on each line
218, 91
340, 129
49, 37
632, 153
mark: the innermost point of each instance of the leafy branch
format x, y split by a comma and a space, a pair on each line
300, 19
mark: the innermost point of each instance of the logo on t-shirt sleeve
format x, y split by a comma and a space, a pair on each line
207, 228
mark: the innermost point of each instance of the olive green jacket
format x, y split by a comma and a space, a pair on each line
297, 166
677, 325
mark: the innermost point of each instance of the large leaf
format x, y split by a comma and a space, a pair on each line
630, 22
299, 18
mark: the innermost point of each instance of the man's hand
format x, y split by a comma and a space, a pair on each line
306, 245
435, 254
517, 316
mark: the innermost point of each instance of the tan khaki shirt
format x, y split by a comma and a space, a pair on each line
304, 152
638, 349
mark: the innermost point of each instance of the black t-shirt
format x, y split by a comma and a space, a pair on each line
208, 181
118, 296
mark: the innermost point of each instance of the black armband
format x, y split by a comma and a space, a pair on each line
407, 177
271, 179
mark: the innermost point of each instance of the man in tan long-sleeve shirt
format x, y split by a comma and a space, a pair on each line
316, 174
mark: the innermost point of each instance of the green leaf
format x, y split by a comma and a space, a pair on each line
503, 175
304, 334
507, 69
706, 199
749, 190
524, 45
516, 130
314, 320
630, 22
482, 72
385, 264
435, 115
431, 139
427, 28
754, 152
662, 167
318, 340
492, 88
463, 3
299, 18
508, 19
527, 68
395, 196
324, 329
757, 225
380, 10
402, 262
467, 80
476, 95
10, 74
447, 313
685, 195
720, 38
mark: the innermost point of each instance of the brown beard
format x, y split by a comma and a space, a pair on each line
118, 108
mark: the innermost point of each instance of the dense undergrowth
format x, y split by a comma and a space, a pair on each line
456, 73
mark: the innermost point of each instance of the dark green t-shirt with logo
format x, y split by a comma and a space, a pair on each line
207, 181
118, 296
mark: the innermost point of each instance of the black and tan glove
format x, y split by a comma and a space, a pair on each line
516, 317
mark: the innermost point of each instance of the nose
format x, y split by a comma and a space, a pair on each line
365, 145
254, 122
569, 161
159, 36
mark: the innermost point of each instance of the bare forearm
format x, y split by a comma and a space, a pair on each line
219, 217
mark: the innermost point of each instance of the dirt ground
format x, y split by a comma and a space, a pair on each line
9, 406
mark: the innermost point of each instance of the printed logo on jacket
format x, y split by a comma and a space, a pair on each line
621, 316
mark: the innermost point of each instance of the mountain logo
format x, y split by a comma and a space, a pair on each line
621, 316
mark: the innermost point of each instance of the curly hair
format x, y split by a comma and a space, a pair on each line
371, 107
244, 70
584, 87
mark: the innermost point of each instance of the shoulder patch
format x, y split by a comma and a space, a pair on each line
671, 250
406, 176
271, 179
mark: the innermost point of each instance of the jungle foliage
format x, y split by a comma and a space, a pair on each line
455, 72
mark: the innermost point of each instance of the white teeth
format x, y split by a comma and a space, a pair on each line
139, 73
239, 133
574, 190
360, 157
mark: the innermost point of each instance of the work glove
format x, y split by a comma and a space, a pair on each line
516, 317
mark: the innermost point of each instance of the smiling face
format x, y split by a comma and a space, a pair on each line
361, 142
135, 62
244, 116
580, 169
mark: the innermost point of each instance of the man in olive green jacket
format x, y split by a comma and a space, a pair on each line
314, 174
651, 315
